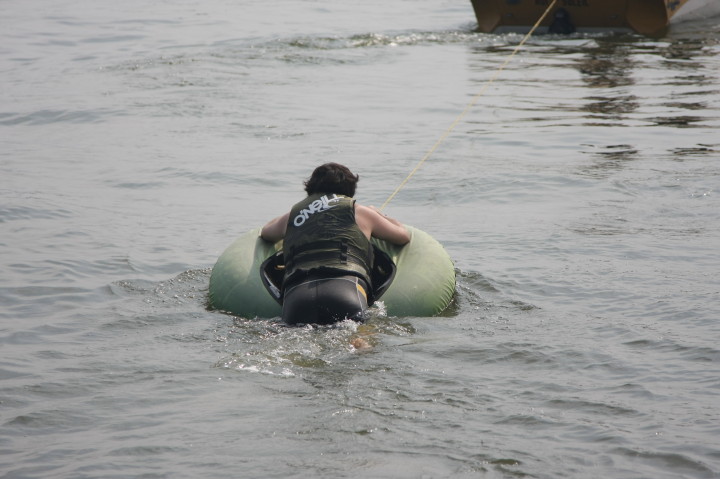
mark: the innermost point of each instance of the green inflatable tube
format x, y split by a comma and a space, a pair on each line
424, 282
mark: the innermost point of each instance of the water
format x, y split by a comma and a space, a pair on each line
578, 199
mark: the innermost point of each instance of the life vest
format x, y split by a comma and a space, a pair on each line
323, 237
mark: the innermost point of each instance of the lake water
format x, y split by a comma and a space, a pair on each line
579, 199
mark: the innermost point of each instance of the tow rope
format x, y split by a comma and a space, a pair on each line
470, 105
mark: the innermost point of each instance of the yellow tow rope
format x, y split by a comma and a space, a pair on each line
472, 103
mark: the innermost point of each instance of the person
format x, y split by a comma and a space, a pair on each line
327, 250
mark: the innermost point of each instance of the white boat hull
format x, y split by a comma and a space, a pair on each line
696, 10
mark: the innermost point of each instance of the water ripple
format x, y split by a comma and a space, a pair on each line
47, 117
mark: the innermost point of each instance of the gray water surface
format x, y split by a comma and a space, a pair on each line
578, 198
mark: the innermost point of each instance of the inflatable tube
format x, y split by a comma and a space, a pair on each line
424, 282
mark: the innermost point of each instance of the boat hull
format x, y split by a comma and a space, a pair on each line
646, 17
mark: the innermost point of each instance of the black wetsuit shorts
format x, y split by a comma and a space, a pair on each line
325, 300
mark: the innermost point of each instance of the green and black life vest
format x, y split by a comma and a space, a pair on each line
322, 236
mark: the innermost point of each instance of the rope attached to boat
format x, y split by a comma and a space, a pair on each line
472, 103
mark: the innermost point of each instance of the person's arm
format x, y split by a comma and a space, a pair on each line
275, 229
374, 223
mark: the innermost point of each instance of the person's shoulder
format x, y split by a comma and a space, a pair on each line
364, 210
369, 210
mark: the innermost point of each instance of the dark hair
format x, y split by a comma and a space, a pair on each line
332, 178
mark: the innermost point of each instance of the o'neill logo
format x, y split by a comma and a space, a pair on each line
317, 206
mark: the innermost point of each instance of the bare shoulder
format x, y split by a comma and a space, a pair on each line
374, 223
364, 211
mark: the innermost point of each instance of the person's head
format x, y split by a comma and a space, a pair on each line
332, 178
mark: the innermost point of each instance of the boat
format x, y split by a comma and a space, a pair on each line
646, 17
417, 279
